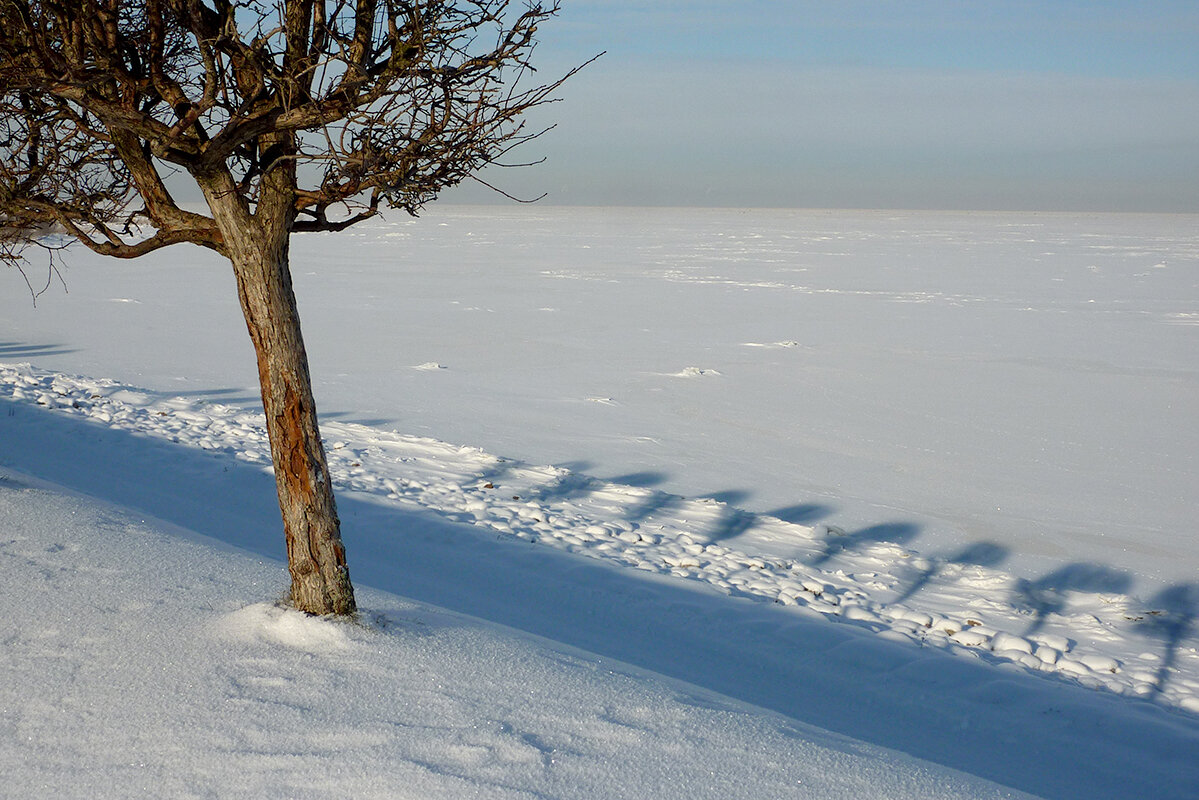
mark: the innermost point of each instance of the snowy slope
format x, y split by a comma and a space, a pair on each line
1059, 702
141, 662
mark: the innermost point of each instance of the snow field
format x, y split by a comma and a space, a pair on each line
1024, 381
1103, 640
139, 662
922, 479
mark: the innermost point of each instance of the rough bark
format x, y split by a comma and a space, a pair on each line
258, 248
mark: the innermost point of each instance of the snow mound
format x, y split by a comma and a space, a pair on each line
262, 622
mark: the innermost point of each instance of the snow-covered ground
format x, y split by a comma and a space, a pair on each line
141, 661
924, 480
1028, 381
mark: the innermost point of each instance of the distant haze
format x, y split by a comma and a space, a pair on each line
967, 105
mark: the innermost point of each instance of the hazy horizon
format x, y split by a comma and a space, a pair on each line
1015, 106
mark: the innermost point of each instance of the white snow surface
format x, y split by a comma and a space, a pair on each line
806, 504
140, 661
1027, 381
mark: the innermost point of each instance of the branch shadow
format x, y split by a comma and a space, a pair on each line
1172, 619
642, 480
801, 513
837, 541
730, 497
22, 350
981, 554
501, 469
732, 520
1050, 594
732, 523
655, 503
572, 485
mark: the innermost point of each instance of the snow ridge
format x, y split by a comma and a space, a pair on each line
1068, 626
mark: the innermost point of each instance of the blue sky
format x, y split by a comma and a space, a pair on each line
978, 105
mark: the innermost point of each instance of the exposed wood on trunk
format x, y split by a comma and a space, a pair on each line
258, 248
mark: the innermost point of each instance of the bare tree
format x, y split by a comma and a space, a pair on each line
281, 112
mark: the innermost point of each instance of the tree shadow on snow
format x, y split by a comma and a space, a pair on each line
1171, 617
1050, 594
837, 541
569, 486
731, 523
981, 554
730, 497
837, 677
19, 350
734, 521
641, 480
655, 503
802, 513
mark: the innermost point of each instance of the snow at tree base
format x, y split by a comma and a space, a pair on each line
657, 502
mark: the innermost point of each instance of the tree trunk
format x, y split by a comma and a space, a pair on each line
320, 582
